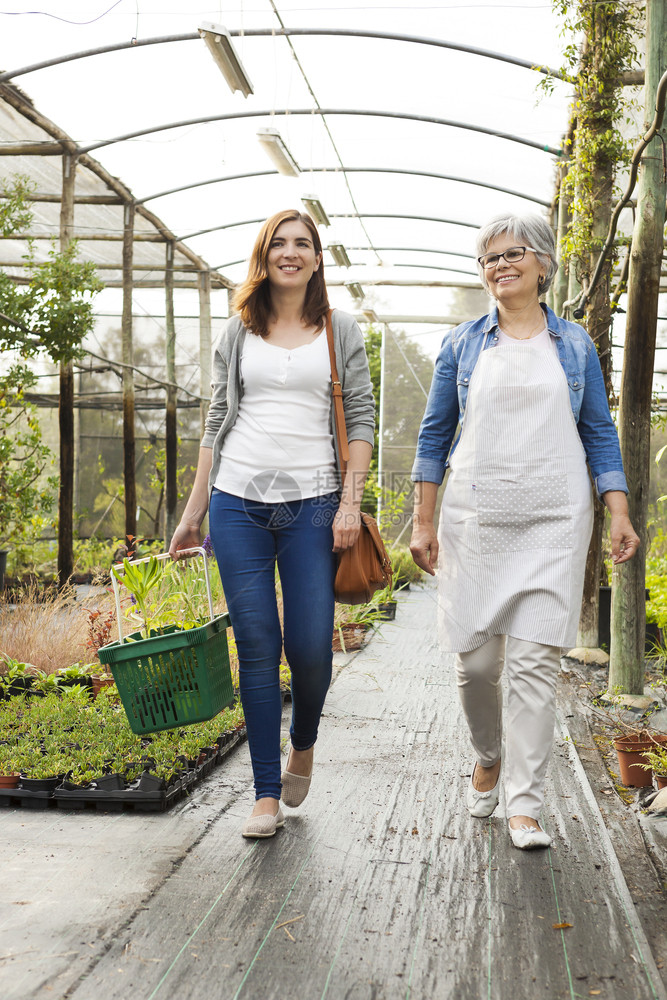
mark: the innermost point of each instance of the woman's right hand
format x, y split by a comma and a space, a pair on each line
186, 536
424, 547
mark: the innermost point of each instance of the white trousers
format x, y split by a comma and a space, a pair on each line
532, 669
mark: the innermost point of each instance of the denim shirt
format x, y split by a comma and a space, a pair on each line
446, 404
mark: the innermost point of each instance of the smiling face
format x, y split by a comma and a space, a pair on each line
517, 282
292, 259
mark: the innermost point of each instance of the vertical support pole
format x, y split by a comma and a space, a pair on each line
128, 380
628, 609
204, 343
381, 472
549, 298
66, 401
171, 434
560, 284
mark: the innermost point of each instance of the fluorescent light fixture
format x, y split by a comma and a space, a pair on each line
370, 315
220, 46
355, 290
275, 147
339, 254
314, 208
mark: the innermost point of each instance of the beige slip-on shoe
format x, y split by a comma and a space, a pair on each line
295, 788
263, 826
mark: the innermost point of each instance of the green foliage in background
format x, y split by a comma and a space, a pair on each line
26, 499
609, 29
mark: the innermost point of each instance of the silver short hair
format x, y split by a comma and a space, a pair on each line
527, 230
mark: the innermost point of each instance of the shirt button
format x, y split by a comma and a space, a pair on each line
465, 379
575, 384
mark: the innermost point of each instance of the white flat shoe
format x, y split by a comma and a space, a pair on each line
526, 838
258, 827
481, 804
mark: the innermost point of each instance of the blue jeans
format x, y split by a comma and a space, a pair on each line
249, 537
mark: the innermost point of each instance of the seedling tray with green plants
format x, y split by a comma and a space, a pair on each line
175, 670
88, 755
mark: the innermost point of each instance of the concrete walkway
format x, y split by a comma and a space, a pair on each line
381, 886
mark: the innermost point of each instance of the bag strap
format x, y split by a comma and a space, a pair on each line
337, 393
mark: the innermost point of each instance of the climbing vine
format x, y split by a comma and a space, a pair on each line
603, 47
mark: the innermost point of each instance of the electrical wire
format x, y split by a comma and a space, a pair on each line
46, 13
328, 130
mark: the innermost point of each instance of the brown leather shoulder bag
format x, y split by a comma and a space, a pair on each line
365, 567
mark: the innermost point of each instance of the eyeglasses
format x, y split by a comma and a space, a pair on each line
512, 256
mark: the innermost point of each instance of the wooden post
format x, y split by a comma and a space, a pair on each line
66, 401
628, 610
171, 434
204, 342
128, 380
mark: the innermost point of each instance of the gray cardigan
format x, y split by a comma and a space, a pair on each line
352, 364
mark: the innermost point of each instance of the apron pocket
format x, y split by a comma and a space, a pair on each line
525, 514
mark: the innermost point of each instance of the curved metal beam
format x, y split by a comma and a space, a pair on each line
348, 170
429, 267
339, 215
447, 253
321, 112
288, 32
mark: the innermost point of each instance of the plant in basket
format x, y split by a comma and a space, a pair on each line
174, 670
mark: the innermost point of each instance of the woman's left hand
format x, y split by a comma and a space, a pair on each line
346, 525
624, 539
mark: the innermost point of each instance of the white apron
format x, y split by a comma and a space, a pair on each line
517, 511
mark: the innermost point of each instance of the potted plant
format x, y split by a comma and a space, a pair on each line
405, 569
101, 679
10, 764
43, 772
76, 674
630, 737
16, 677
656, 762
351, 626
631, 746
385, 603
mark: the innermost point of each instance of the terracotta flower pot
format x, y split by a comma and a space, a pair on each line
629, 750
660, 780
9, 780
101, 682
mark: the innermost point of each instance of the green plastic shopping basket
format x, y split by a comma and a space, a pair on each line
174, 679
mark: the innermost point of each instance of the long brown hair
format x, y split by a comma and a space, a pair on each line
252, 299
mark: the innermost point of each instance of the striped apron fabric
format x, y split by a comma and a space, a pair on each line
517, 511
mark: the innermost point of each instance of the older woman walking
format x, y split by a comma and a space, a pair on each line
527, 390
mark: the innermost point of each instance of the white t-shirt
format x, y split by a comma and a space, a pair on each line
543, 339
281, 446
